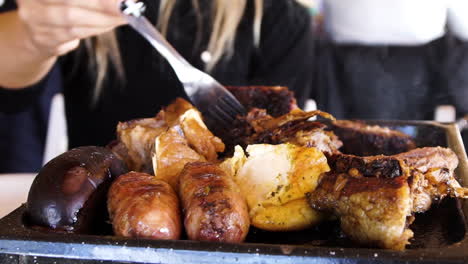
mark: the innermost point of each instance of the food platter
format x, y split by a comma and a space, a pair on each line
440, 234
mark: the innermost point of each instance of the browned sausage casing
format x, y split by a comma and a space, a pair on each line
141, 206
214, 209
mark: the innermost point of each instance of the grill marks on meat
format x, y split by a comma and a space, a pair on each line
141, 206
365, 140
375, 197
214, 209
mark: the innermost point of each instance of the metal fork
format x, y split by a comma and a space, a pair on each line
218, 106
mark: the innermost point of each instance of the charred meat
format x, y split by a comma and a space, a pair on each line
364, 140
260, 128
375, 197
276, 100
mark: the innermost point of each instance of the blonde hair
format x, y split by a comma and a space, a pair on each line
225, 19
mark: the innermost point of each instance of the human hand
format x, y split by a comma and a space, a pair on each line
55, 27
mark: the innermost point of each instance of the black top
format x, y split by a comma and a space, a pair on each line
283, 58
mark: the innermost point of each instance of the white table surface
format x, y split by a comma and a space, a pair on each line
14, 190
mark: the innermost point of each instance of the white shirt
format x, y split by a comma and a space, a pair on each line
397, 22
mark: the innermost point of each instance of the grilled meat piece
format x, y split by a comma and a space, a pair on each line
425, 159
296, 129
186, 140
136, 138
139, 205
364, 140
276, 100
373, 211
274, 118
260, 128
432, 176
136, 141
213, 206
373, 166
375, 197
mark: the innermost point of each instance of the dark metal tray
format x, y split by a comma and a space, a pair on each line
440, 234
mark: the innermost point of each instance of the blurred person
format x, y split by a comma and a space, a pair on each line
111, 74
392, 59
23, 132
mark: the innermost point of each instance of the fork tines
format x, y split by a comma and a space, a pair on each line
224, 111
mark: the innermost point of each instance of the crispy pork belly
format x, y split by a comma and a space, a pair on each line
260, 128
276, 100
373, 211
366, 140
375, 197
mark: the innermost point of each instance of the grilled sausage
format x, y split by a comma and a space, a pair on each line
214, 209
141, 206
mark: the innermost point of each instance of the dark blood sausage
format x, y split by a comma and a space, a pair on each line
69, 193
214, 209
141, 206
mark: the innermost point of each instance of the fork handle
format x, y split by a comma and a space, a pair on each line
150, 33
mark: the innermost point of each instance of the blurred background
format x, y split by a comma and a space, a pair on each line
410, 58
